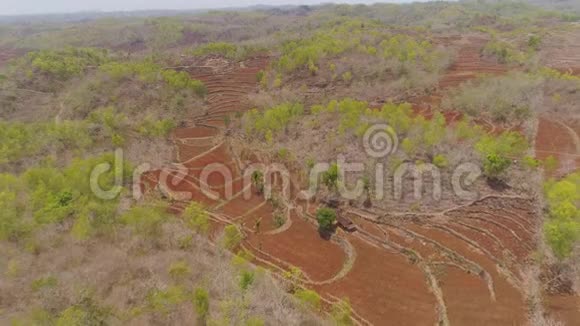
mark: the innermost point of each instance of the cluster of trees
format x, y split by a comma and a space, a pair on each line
419, 135
420, 139
20, 140
225, 49
427, 139
506, 52
498, 152
356, 116
406, 49
64, 64
50, 196
503, 99
518, 45
550, 73
562, 229
149, 72
307, 52
46, 70
163, 32
150, 127
336, 39
228, 50
268, 123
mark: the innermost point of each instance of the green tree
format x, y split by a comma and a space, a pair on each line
85, 313
166, 300
342, 313
326, 218
201, 303
12, 224
562, 234
232, 237
146, 220
258, 181
534, 42
331, 176
309, 298
562, 229
179, 270
246, 279
440, 161
196, 217
495, 165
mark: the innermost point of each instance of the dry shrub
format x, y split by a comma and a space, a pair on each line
538, 319
510, 98
114, 276
562, 98
272, 98
574, 262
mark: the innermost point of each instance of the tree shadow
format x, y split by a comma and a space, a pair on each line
326, 234
497, 184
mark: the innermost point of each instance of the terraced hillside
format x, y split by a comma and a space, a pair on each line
469, 62
562, 50
407, 268
460, 119
558, 137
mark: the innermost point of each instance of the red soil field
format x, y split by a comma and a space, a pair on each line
562, 50
564, 307
560, 139
555, 138
464, 306
302, 246
470, 63
383, 285
385, 288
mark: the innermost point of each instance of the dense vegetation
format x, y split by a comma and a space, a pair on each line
563, 227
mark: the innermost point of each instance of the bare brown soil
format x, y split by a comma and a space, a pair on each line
302, 246
467, 248
555, 138
470, 63
564, 307
562, 50
560, 139
385, 288
473, 253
